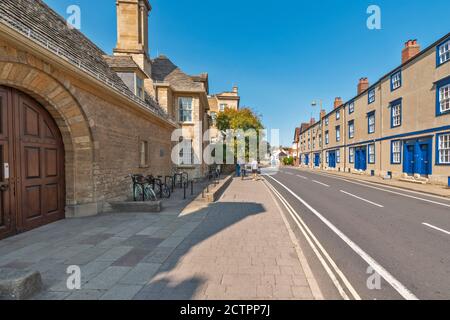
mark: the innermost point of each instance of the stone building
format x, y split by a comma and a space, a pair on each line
74, 121
398, 127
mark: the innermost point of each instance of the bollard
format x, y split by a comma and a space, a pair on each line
184, 190
192, 187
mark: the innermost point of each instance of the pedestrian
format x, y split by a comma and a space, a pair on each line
238, 168
255, 167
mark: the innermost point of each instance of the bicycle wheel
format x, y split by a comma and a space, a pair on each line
138, 193
149, 194
157, 189
165, 191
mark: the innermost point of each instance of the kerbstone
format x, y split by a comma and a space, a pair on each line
18, 284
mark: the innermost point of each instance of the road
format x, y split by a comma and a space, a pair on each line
368, 241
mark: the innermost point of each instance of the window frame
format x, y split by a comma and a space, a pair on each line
182, 156
439, 85
144, 154
369, 154
351, 107
338, 133
338, 156
351, 123
327, 121
181, 110
438, 156
338, 114
351, 155
438, 53
400, 80
399, 152
327, 137
393, 105
371, 94
369, 116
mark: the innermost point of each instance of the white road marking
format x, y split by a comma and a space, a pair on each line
315, 181
368, 201
316, 246
436, 228
302, 177
390, 191
399, 287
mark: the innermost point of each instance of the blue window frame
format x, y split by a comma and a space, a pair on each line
396, 80
351, 155
443, 149
338, 133
351, 107
443, 96
396, 152
371, 96
371, 122
443, 53
371, 153
396, 113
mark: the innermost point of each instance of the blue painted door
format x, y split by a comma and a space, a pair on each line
408, 161
364, 158
317, 159
307, 159
424, 157
332, 159
361, 159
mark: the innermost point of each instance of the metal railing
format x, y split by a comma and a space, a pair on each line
149, 103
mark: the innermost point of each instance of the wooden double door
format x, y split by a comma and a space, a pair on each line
32, 186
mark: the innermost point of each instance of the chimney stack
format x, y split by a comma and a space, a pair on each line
412, 49
338, 102
235, 89
312, 121
363, 85
323, 113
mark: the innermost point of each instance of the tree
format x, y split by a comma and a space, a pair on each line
243, 119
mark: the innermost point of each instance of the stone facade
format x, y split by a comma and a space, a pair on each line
413, 137
101, 128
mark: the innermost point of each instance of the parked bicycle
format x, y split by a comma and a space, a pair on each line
159, 188
142, 189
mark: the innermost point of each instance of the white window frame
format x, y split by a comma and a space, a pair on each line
327, 137
338, 115
327, 157
397, 152
327, 121
444, 148
371, 148
351, 153
351, 107
444, 98
444, 52
396, 80
222, 107
397, 115
371, 123
371, 96
186, 111
338, 133
338, 156
351, 130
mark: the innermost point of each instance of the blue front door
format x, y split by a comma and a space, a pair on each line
332, 159
307, 159
317, 159
361, 159
417, 158
408, 161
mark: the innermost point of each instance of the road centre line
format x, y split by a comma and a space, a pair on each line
385, 190
368, 201
302, 177
399, 287
315, 181
436, 228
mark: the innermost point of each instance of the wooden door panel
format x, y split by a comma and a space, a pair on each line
30, 120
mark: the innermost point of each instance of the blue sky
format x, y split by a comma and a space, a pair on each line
282, 54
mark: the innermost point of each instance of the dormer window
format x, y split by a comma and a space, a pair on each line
139, 91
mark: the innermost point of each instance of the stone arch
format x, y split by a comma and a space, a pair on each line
56, 97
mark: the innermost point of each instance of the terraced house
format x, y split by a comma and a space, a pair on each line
76, 121
399, 126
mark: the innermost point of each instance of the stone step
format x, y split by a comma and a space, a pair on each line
19, 284
135, 206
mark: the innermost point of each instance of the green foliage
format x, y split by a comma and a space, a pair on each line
288, 161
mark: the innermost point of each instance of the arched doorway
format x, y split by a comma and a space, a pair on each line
32, 184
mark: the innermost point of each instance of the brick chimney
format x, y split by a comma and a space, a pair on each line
338, 102
323, 113
412, 49
235, 89
312, 121
363, 85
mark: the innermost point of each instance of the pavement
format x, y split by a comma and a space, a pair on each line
378, 242
237, 248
